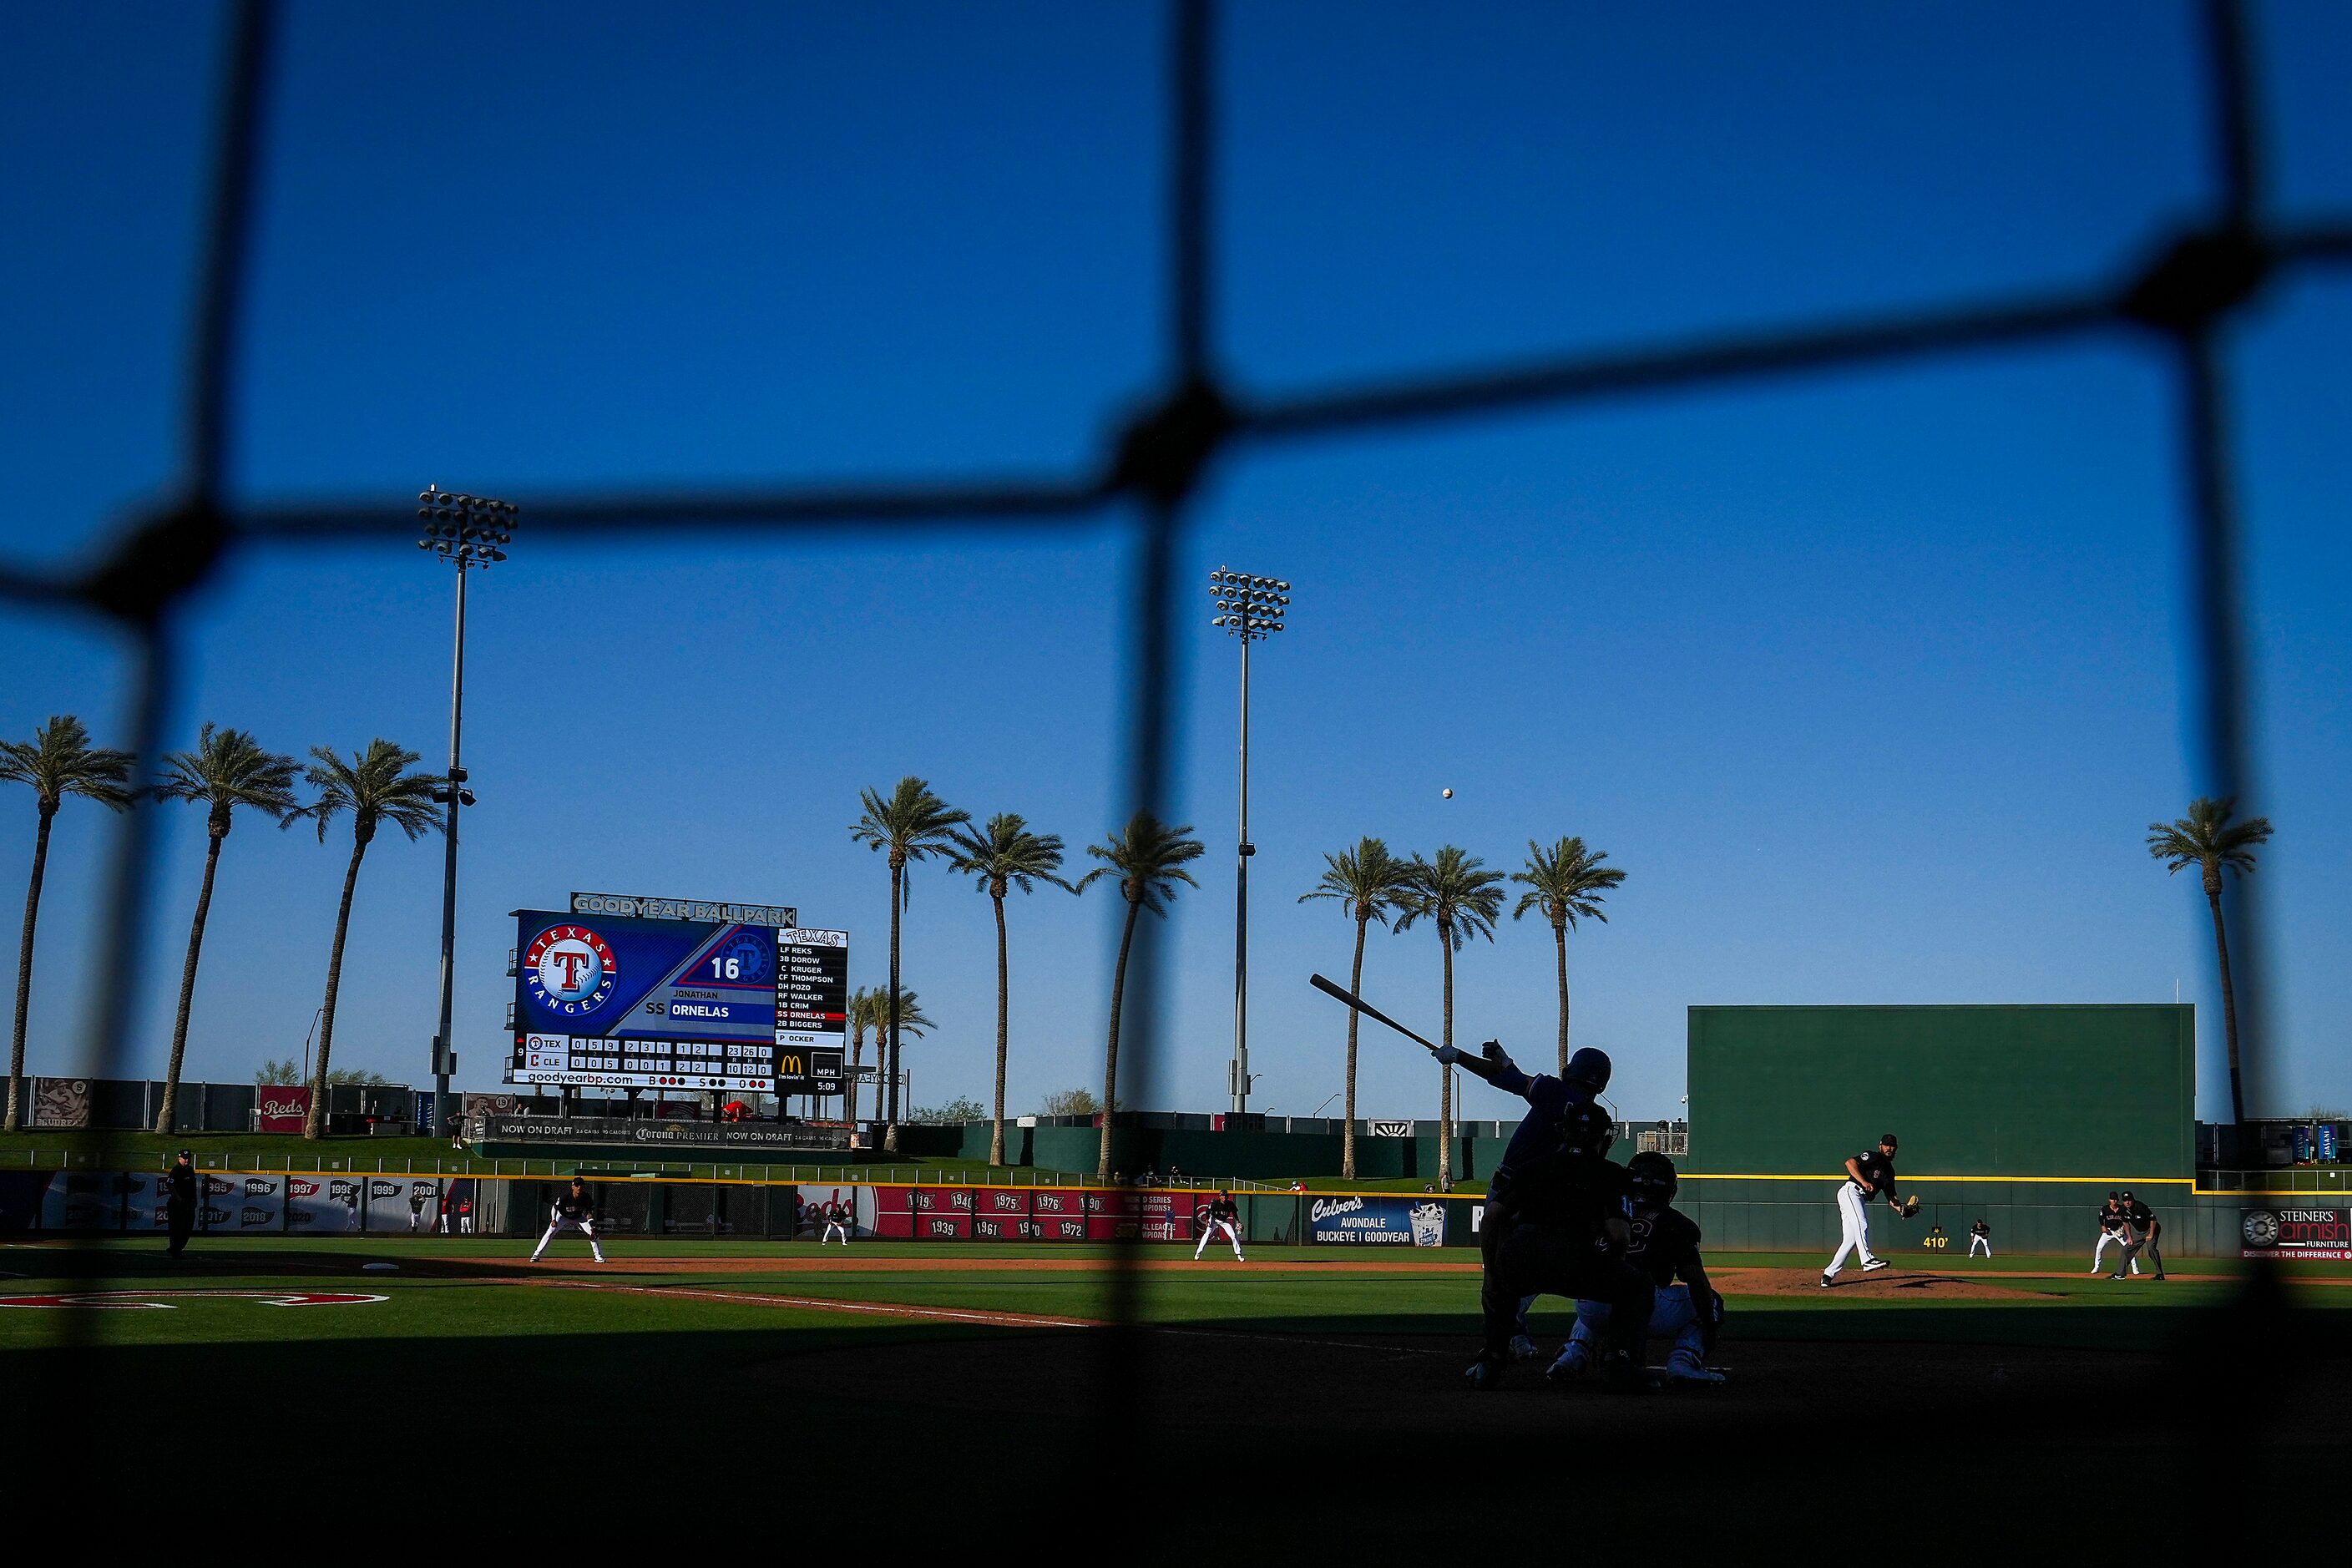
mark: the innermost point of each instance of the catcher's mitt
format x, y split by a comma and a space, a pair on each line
1910, 1205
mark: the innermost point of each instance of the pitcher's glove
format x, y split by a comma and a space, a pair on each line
1910, 1205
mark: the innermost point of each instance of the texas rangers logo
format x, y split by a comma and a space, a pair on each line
569, 970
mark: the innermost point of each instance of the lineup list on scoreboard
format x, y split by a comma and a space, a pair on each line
812, 1002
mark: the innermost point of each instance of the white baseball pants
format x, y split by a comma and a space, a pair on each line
833, 1227
1209, 1235
1977, 1241
1854, 1220
586, 1228
1674, 1313
2119, 1239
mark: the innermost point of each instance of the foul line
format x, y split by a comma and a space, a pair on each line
828, 1304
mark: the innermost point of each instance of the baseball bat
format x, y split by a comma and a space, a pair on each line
1366, 1008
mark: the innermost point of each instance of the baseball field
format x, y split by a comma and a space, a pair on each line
926, 1354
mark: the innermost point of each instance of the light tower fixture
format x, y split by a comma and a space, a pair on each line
1250, 609
468, 531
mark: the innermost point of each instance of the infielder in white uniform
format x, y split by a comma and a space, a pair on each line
836, 1223
1221, 1214
578, 1210
1980, 1238
1869, 1174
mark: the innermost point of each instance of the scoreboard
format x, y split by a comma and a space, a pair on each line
625, 1001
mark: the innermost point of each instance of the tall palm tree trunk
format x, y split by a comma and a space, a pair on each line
996, 1138
188, 988
857, 1058
1348, 1128
24, 971
1559, 936
1110, 1055
1445, 1081
315, 1123
2229, 1005
890, 1008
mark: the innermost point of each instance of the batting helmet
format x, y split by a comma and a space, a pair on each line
1651, 1176
1588, 1068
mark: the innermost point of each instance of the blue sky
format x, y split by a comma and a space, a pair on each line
1870, 681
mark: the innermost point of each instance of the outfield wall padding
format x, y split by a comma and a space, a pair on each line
2084, 1091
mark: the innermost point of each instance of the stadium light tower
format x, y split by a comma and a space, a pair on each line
469, 532
1250, 609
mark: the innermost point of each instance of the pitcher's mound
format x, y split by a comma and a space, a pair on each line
1895, 1282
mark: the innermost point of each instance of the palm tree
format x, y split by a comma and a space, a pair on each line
1565, 881
376, 787
1461, 898
1148, 859
58, 762
867, 1010
912, 825
227, 769
2206, 839
1370, 884
1007, 856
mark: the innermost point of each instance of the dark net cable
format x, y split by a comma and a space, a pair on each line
2184, 297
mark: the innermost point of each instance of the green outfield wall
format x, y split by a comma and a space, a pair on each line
2093, 1092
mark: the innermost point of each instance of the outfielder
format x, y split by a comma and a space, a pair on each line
836, 1223
1221, 1215
1664, 1244
2111, 1230
577, 1209
1980, 1237
1869, 1174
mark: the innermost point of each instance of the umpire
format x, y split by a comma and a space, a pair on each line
180, 1202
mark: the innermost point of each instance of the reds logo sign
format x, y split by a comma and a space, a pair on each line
569, 970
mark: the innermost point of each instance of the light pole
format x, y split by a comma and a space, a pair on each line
1250, 609
470, 532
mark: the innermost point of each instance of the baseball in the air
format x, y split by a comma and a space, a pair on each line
1448, 794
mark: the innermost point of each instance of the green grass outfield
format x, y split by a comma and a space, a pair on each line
459, 1288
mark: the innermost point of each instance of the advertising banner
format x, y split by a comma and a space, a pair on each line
747, 1137
283, 1108
2295, 1233
1359, 1221
322, 1204
243, 1202
83, 1199
2326, 1150
61, 1102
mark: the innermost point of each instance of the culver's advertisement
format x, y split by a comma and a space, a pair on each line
1359, 1221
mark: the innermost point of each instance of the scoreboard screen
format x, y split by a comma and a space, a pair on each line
619, 1001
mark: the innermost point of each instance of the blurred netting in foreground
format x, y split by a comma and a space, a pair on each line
2180, 299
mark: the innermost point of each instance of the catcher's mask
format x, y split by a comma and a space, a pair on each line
1589, 1069
1651, 1176
1587, 1131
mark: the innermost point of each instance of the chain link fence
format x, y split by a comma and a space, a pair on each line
2183, 300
